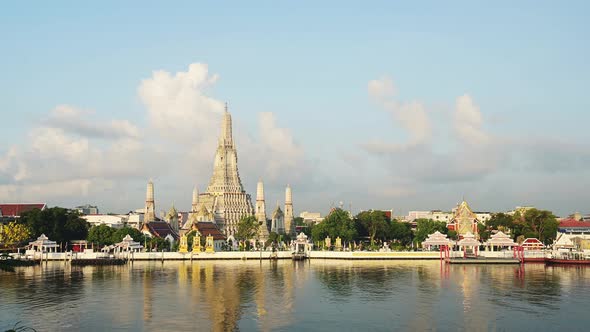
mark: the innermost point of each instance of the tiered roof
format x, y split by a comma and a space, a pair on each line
437, 239
128, 243
43, 241
160, 229
468, 240
501, 240
209, 228
532, 243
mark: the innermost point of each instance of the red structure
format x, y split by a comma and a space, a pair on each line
518, 253
15, 210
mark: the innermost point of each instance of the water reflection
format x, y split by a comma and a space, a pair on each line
285, 295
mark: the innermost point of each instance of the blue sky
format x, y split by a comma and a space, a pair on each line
522, 67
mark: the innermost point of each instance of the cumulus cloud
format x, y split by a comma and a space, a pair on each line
466, 155
281, 155
178, 106
468, 121
421, 158
411, 116
71, 119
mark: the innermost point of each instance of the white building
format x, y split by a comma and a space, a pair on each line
114, 221
311, 217
436, 215
135, 220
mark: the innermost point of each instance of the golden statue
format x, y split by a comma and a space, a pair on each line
338, 244
183, 247
197, 243
209, 245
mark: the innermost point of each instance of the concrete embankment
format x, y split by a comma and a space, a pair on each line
257, 255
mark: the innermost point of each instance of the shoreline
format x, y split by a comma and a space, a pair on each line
485, 258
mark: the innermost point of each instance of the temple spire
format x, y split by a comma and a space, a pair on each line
260, 212
226, 130
150, 205
195, 202
289, 218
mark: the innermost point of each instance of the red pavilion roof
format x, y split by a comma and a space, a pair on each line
573, 223
15, 210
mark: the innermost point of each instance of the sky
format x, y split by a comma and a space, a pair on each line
411, 105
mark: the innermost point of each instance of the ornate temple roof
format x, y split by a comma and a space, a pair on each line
160, 229
436, 239
277, 213
468, 240
206, 228
172, 213
500, 239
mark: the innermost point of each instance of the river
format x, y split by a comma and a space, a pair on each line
317, 295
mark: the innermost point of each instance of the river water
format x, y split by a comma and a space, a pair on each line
315, 295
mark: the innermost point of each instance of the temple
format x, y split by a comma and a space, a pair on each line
225, 197
464, 221
278, 221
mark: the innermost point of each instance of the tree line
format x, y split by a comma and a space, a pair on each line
375, 228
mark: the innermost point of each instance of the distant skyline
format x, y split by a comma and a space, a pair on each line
404, 106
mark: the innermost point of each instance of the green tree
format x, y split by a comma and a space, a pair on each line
247, 228
299, 221
373, 223
336, 224
501, 221
400, 232
483, 231
425, 227
58, 224
158, 244
453, 235
101, 234
541, 224
120, 233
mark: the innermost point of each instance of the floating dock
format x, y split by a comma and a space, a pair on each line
482, 260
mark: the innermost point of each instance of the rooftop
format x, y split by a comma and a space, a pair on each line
16, 209
573, 223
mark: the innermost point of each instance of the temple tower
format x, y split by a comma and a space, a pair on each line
278, 221
195, 203
289, 221
150, 206
172, 218
225, 196
261, 211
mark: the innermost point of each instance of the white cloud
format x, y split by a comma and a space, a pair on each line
53, 143
468, 121
281, 156
178, 106
381, 88
74, 120
411, 116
